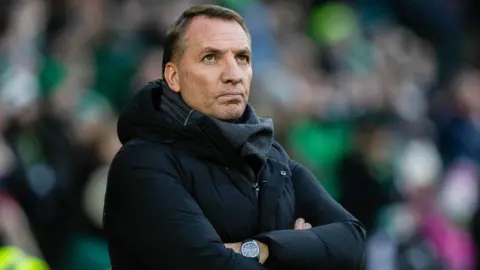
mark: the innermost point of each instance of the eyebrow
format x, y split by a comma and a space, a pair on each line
213, 50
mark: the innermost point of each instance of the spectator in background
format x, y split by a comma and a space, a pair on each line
18, 244
368, 167
458, 126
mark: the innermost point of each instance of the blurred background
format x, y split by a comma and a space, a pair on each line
381, 99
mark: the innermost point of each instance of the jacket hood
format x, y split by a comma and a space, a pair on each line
156, 113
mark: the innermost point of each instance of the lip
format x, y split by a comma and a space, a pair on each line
230, 95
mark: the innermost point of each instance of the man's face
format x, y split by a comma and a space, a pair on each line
214, 72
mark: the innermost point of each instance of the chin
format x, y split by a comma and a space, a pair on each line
230, 114
229, 117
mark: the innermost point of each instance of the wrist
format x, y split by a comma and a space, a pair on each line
253, 249
234, 246
264, 252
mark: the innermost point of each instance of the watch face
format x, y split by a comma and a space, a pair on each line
250, 249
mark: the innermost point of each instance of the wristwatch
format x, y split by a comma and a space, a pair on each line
250, 249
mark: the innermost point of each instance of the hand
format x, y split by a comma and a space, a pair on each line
301, 224
264, 252
235, 246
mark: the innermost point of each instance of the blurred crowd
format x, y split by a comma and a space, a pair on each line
381, 99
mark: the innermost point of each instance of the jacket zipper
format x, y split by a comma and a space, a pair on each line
256, 186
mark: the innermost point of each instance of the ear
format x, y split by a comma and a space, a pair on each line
171, 76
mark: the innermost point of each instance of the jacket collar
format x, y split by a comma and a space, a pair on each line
156, 112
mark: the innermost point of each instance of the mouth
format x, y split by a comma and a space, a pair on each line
231, 95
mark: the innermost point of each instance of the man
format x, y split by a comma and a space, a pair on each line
200, 182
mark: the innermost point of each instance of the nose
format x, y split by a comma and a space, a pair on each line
232, 73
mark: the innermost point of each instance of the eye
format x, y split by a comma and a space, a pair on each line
243, 58
209, 58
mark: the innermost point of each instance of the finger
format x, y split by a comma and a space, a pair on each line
299, 224
307, 226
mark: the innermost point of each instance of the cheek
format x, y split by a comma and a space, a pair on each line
200, 86
207, 84
248, 80
248, 74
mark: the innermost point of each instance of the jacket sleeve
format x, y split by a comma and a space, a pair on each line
152, 218
335, 241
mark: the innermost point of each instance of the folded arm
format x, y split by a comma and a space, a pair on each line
336, 240
156, 223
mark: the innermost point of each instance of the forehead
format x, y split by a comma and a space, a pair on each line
212, 32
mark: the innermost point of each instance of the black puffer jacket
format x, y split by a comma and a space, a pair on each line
184, 184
